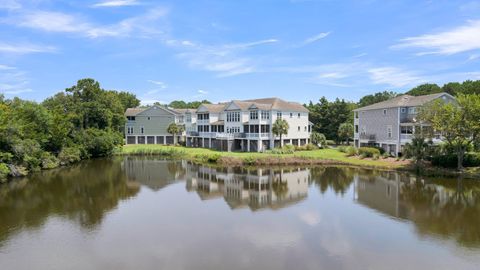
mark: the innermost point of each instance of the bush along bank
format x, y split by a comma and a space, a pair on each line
83, 122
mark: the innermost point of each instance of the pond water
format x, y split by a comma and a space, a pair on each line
147, 213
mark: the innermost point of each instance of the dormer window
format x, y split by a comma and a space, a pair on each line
131, 118
254, 115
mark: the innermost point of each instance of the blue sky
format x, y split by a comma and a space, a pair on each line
219, 50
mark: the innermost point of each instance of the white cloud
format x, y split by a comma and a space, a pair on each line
316, 38
10, 4
162, 85
25, 48
395, 77
5, 67
461, 39
13, 81
59, 22
202, 92
117, 3
226, 60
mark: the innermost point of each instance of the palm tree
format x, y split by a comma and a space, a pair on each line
279, 128
173, 129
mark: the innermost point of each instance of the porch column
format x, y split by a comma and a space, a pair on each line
248, 145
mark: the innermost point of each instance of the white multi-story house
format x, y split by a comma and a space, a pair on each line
391, 124
246, 125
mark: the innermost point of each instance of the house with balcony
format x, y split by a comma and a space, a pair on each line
149, 125
391, 124
246, 125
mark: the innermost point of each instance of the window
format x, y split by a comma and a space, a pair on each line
291, 115
298, 128
148, 118
203, 116
131, 118
404, 110
305, 128
253, 115
356, 114
298, 115
384, 111
189, 118
142, 130
406, 130
129, 130
234, 116
265, 115
279, 115
412, 110
389, 132
356, 128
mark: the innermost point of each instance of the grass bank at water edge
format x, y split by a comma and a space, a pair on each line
202, 155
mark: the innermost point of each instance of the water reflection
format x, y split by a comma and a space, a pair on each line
445, 209
253, 188
84, 195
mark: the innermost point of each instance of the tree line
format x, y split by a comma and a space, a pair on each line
84, 121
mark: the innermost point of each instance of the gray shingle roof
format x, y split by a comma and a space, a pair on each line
262, 104
402, 101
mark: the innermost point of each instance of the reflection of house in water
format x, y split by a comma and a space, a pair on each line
253, 188
379, 192
394, 194
153, 173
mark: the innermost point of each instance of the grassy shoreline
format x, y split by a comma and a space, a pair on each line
313, 157
330, 156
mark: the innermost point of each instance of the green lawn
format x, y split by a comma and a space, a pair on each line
321, 154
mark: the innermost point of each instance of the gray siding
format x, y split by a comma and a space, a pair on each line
157, 125
375, 122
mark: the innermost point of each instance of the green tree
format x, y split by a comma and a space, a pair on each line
425, 89
418, 149
318, 139
375, 98
458, 122
174, 129
345, 132
279, 128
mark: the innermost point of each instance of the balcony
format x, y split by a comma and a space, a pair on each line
192, 133
368, 137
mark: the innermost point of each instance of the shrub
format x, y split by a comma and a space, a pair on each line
99, 143
49, 161
342, 149
318, 139
5, 157
4, 172
287, 149
249, 160
351, 151
368, 152
69, 155
450, 160
306, 147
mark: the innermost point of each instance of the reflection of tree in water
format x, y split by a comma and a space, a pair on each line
177, 169
450, 209
336, 178
82, 193
280, 188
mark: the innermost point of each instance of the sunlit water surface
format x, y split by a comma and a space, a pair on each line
147, 213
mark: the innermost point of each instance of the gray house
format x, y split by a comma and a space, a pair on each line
149, 125
391, 124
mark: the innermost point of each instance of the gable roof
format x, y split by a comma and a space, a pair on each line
261, 104
403, 101
134, 111
213, 108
